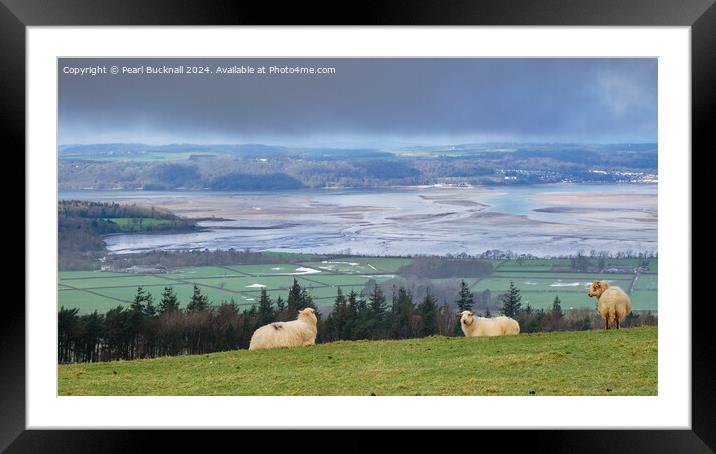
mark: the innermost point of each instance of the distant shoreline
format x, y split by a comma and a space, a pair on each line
359, 188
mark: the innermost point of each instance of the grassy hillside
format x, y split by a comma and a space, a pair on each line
596, 362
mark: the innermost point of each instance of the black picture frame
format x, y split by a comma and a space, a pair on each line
700, 15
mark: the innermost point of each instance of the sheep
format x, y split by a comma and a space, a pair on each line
612, 302
296, 333
478, 326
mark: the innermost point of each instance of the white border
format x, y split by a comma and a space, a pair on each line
670, 409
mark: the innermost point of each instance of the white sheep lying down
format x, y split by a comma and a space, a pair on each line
613, 304
474, 326
296, 333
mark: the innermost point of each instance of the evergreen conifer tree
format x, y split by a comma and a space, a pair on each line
557, 306
149, 309
169, 301
198, 301
280, 304
428, 311
465, 298
511, 301
376, 313
402, 314
138, 304
378, 305
266, 313
354, 308
306, 300
294, 298
557, 314
337, 319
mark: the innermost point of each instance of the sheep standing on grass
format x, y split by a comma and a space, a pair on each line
478, 326
296, 333
612, 302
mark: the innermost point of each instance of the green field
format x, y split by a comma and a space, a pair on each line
597, 362
85, 301
361, 265
539, 281
129, 222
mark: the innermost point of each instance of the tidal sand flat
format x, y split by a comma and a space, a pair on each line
540, 220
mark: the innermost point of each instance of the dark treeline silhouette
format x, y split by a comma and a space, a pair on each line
599, 263
149, 328
85, 209
176, 259
238, 181
497, 254
442, 267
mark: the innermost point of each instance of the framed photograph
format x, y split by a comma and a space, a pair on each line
457, 224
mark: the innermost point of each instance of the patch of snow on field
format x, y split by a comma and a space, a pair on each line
278, 268
304, 270
255, 286
529, 283
567, 284
342, 263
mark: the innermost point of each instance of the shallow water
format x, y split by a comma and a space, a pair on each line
406, 220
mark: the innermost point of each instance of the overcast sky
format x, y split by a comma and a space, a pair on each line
371, 102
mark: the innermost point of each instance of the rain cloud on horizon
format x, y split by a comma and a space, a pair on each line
366, 102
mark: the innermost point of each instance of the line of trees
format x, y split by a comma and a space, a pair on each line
445, 267
102, 210
358, 316
432, 265
148, 328
195, 257
497, 254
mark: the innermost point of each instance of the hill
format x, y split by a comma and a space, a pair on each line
598, 362
266, 167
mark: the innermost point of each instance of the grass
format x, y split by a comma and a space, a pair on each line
134, 225
550, 282
544, 300
598, 362
647, 282
363, 265
67, 275
644, 300
112, 282
86, 302
183, 292
555, 275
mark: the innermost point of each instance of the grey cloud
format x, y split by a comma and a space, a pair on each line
587, 100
